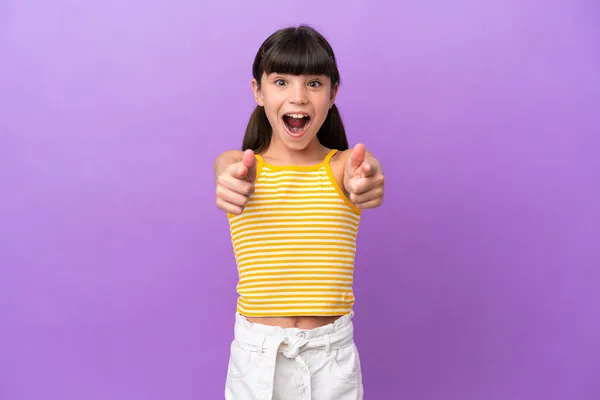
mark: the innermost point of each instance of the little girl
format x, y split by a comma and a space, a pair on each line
293, 198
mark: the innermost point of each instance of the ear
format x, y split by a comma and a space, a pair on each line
334, 91
257, 93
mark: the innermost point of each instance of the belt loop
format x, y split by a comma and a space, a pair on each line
327, 345
262, 344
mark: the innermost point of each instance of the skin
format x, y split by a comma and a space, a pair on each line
356, 170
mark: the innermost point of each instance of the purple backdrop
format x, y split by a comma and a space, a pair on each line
477, 279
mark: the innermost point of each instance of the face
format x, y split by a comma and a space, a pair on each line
296, 106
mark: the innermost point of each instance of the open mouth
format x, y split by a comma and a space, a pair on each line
296, 124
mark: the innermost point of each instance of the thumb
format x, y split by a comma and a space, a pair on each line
248, 159
357, 157
248, 164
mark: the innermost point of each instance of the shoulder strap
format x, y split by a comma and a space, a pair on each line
337, 185
330, 155
259, 165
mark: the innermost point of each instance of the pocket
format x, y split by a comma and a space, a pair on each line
346, 362
240, 361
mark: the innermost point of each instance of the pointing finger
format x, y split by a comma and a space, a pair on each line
357, 157
248, 159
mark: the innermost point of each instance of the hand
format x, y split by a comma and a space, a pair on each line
363, 179
236, 184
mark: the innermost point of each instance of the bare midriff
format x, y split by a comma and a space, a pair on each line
294, 322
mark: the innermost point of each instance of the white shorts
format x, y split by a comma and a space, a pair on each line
273, 363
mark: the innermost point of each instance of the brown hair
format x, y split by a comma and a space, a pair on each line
297, 51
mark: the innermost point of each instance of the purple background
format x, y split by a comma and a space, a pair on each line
477, 279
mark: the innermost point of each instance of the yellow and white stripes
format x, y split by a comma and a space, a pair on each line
295, 243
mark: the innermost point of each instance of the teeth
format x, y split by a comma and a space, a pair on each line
296, 115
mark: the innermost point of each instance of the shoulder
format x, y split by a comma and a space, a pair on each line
231, 154
340, 159
337, 163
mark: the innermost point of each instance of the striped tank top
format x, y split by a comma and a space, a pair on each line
295, 243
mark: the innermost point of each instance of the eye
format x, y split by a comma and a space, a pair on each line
279, 82
315, 84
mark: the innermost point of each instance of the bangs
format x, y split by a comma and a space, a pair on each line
299, 53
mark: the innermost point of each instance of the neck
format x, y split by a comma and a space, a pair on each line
279, 153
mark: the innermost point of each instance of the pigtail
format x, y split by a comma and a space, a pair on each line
332, 133
258, 131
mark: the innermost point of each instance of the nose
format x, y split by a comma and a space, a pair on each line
298, 95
